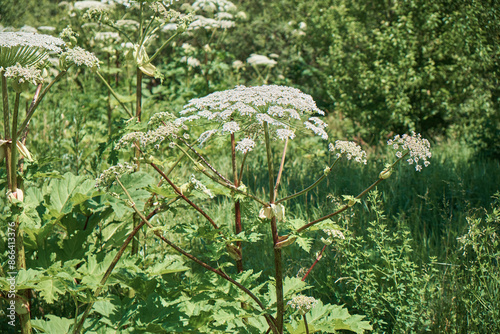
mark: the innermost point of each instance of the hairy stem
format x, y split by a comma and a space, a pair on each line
226, 184
274, 231
237, 208
318, 257
305, 324
13, 147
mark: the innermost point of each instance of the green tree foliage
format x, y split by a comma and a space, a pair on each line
392, 66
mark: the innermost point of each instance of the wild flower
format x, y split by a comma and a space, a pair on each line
27, 49
88, 4
302, 303
417, 147
214, 5
166, 132
238, 64
106, 179
79, 57
24, 74
244, 110
208, 23
334, 233
256, 59
349, 149
191, 61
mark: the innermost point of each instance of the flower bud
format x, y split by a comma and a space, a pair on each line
233, 251
287, 241
385, 174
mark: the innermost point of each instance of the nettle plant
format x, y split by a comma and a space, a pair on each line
244, 123
23, 63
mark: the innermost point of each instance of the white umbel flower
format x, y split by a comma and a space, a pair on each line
245, 110
256, 59
417, 147
302, 303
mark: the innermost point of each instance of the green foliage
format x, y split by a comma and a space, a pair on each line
380, 278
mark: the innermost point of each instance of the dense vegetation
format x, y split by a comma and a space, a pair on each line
227, 246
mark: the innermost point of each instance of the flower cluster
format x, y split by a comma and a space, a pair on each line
256, 59
245, 110
79, 57
414, 145
302, 303
106, 179
167, 131
334, 234
350, 149
46, 42
214, 5
208, 23
24, 75
27, 49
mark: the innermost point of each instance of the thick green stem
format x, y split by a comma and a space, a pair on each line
6, 128
158, 51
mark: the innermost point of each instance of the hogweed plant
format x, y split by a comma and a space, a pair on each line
23, 62
243, 122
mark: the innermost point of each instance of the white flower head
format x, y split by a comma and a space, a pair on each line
245, 145
302, 303
256, 59
349, 149
417, 147
24, 75
79, 57
27, 49
212, 6
246, 110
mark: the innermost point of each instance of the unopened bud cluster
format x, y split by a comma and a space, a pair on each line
107, 177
